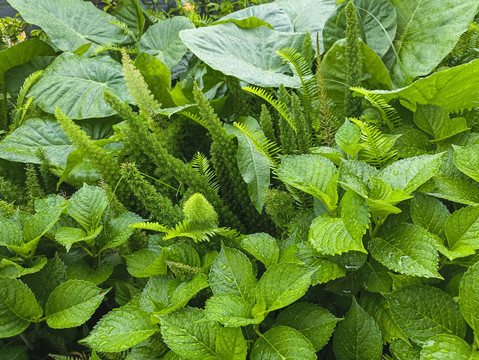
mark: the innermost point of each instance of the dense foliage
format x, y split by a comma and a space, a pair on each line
298, 180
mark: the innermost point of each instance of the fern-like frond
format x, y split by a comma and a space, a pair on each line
109, 47
202, 164
199, 231
195, 117
388, 113
22, 105
123, 26
280, 107
154, 226
266, 147
377, 146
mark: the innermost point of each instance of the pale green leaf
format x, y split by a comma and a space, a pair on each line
87, 206
347, 138
354, 213
469, 297
325, 270
10, 233
462, 230
18, 307
467, 160
11, 269
429, 213
230, 344
283, 343
146, 263
67, 236
420, 319
453, 189
230, 310
311, 320
436, 122
120, 329
184, 254
357, 337
446, 347
263, 247
407, 249
72, 303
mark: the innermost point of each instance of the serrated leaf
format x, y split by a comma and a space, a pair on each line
311, 320
354, 213
263, 247
420, 319
230, 310
87, 270
325, 270
446, 347
38, 225
232, 273
374, 277
87, 206
453, 189
408, 174
467, 160
10, 233
347, 138
283, 343
117, 231
230, 344
407, 249
404, 351
283, 284
120, 329
469, 297
184, 254
11, 269
67, 236
357, 337
72, 303
188, 336
429, 213
18, 307
462, 231
435, 121
14, 353
146, 263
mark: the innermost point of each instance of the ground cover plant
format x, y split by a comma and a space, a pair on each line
293, 180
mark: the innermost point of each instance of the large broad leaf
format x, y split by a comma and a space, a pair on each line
23, 53
469, 297
76, 84
426, 32
230, 310
436, 122
10, 233
447, 347
429, 213
311, 320
146, 263
120, 329
452, 89
162, 40
131, 13
11, 269
72, 303
248, 54
423, 311
467, 160
377, 23
72, 24
462, 228
283, 343
18, 307
454, 189
87, 206
358, 336
407, 249
230, 344
253, 165
263, 247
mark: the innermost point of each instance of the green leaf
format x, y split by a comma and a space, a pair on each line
18, 307
407, 249
184, 254
408, 174
88, 270
131, 13
14, 353
311, 320
230, 344
403, 350
120, 329
146, 263
75, 84
436, 122
467, 160
230, 310
72, 303
263, 247
357, 337
22, 53
253, 164
446, 347
347, 138
253, 59
67, 236
429, 213
453, 89
162, 40
453, 189
422, 312
374, 277
232, 273
283, 284
13, 270
10, 233
68, 30
462, 230
117, 231
282, 343
377, 24
87, 206
185, 334
469, 297
417, 45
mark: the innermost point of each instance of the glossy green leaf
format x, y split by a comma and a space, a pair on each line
230, 344
446, 347
248, 54
10, 233
283, 284
377, 24
130, 13
417, 44
184, 254
325, 270
403, 350
283, 343
146, 263
467, 160
407, 249
87, 206
232, 273
263, 247
347, 138
68, 30
72, 303
230, 310
357, 337
429, 213
18, 307
67, 236
421, 319
462, 230
117, 231
87, 270
120, 329
11, 269
436, 122
75, 84
162, 40
469, 297
311, 320
375, 277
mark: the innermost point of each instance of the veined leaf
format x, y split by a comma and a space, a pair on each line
67, 236
87, 206
117, 231
429, 213
146, 262
469, 297
230, 310
347, 138
263, 247
467, 160
447, 347
10, 233
436, 122
230, 344
130, 13
462, 229
453, 189
11, 269
404, 350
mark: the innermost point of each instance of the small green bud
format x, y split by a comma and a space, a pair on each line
197, 208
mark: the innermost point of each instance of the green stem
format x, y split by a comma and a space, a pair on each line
27, 341
87, 251
256, 330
